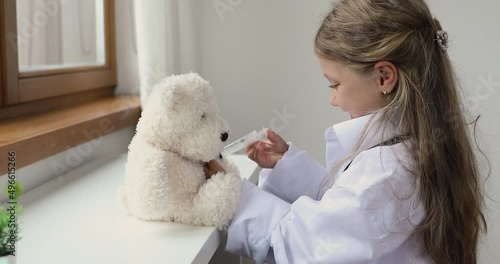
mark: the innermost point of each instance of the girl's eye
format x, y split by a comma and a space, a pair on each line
334, 86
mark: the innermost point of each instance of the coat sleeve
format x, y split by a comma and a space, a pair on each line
356, 221
296, 174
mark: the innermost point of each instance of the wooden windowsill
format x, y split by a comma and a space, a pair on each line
37, 136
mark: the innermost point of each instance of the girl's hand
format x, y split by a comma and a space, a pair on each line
211, 168
267, 153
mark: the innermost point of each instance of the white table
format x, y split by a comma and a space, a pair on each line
74, 219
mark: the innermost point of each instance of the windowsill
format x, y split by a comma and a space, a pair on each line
38, 136
78, 212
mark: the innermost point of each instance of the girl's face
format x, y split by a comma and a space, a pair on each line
350, 92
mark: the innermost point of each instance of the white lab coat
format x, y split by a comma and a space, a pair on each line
366, 216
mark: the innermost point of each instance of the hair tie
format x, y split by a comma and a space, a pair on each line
442, 39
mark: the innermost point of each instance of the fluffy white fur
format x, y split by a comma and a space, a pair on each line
180, 129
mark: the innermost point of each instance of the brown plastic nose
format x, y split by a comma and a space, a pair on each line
224, 137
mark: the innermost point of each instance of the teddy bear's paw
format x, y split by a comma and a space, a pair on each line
151, 213
230, 167
217, 199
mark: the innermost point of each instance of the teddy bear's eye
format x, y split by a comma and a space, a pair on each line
203, 116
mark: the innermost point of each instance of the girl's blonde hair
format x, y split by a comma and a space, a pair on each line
425, 104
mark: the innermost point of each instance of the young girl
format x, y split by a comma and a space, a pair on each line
401, 182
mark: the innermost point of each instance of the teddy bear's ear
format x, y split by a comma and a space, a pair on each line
173, 96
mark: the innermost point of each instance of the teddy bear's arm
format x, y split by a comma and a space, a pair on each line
217, 199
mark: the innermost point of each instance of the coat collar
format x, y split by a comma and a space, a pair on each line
348, 132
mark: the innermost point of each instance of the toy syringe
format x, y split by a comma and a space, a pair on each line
244, 141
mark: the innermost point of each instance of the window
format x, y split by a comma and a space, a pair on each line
57, 77
55, 48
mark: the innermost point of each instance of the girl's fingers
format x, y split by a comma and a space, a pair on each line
205, 170
254, 150
251, 146
211, 168
277, 142
251, 153
272, 136
258, 150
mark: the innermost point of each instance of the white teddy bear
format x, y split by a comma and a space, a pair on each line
179, 130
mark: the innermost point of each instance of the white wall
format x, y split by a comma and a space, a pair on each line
258, 56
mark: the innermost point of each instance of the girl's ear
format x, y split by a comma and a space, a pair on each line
387, 76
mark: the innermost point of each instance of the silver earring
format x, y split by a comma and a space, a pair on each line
384, 92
